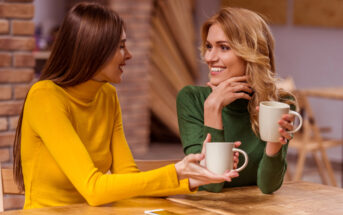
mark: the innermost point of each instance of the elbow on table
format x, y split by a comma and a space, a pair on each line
269, 189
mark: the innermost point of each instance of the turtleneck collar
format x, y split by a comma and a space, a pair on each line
239, 105
85, 91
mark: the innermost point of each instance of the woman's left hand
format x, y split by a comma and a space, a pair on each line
286, 124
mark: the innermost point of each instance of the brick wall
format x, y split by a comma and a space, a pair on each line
16, 73
133, 92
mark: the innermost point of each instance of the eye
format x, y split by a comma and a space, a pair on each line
224, 47
122, 46
208, 46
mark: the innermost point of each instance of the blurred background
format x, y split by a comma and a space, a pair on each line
163, 37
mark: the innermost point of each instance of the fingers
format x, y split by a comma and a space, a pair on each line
285, 125
288, 118
237, 144
243, 78
241, 87
194, 158
258, 108
208, 138
284, 135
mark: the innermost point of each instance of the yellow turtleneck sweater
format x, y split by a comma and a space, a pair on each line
71, 137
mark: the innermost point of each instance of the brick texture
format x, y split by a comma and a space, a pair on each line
20, 91
133, 92
16, 75
5, 92
4, 27
4, 155
23, 60
5, 59
25, 11
23, 27
13, 122
6, 138
3, 124
10, 108
17, 43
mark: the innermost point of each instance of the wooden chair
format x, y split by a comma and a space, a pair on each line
309, 139
7, 185
145, 165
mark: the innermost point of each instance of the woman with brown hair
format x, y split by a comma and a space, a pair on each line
238, 48
70, 132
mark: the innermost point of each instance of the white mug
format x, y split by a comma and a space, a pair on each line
269, 115
219, 157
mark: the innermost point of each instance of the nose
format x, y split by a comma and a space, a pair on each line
211, 56
128, 55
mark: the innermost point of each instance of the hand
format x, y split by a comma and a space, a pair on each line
198, 175
229, 90
286, 123
203, 151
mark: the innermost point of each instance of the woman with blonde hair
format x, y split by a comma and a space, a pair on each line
70, 145
238, 48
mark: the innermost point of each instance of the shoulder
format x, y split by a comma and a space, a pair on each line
193, 92
45, 88
46, 92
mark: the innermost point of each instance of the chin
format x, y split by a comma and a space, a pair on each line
215, 81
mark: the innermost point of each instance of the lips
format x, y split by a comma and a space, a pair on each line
216, 70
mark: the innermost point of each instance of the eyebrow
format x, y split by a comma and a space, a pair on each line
219, 42
123, 40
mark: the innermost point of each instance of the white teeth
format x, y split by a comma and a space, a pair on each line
217, 69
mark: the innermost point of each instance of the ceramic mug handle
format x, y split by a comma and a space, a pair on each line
300, 121
245, 159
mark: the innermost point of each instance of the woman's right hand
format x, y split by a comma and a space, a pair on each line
198, 175
228, 91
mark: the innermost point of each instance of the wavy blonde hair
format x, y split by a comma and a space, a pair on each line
249, 37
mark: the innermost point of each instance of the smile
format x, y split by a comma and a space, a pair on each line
217, 69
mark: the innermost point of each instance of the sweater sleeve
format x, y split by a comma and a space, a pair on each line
192, 129
123, 161
272, 169
49, 117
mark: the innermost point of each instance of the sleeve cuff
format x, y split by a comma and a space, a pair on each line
217, 135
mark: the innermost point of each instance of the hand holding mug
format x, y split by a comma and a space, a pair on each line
236, 154
198, 175
276, 121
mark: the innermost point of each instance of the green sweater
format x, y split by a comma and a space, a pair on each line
262, 170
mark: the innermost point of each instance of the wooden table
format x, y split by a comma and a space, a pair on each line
292, 198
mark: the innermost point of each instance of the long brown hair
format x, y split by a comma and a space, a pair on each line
250, 38
88, 37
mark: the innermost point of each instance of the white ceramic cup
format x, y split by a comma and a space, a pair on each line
269, 115
219, 157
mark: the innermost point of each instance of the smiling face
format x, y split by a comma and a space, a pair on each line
113, 68
223, 63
